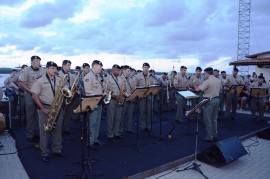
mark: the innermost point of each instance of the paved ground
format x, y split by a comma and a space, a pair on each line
10, 164
254, 165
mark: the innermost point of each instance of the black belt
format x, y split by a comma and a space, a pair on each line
210, 97
46, 104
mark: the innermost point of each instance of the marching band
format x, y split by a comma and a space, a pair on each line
41, 96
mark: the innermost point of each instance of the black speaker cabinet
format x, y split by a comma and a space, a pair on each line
265, 134
223, 152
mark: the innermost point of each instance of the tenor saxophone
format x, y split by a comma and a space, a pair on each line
73, 89
61, 93
122, 96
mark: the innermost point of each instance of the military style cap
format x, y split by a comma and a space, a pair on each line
209, 69
146, 64
139, 71
216, 70
235, 69
199, 68
223, 72
35, 57
152, 71
261, 77
183, 67
85, 65
126, 67
66, 62
116, 66
164, 73
77, 68
97, 62
51, 63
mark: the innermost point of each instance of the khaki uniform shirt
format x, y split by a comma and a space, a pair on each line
30, 76
44, 88
211, 87
115, 84
129, 84
92, 84
224, 82
11, 80
195, 80
237, 80
165, 83
70, 78
182, 81
142, 81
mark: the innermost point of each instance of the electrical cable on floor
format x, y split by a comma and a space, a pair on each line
255, 143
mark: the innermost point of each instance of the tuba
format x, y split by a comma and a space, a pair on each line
61, 93
73, 89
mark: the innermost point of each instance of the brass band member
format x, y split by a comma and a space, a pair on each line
144, 79
68, 108
27, 78
44, 91
231, 98
172, 99
196, 80
128, 108
224, 90
164, 90
94, 86
211, 88
258, 102
181, 84
115, 83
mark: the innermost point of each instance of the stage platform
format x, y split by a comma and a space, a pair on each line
122, 159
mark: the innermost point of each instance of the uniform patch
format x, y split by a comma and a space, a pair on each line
86, 80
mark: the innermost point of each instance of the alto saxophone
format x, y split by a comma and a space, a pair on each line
122, 96
73, 89
61, 93
107, 94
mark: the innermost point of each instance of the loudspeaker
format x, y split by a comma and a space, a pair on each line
265, 134
222, 152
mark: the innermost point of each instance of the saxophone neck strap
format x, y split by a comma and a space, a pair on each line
50, 81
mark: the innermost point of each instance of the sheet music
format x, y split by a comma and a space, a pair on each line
187, 94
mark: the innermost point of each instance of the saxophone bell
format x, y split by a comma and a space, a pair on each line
66, 92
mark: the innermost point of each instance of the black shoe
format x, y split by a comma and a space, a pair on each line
99, 143
61, 155
45, 159
92, 147
111, 139
130, 132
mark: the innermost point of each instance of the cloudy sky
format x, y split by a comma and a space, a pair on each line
164, 33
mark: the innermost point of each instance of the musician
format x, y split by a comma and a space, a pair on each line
21, 98
196, 80
68, 108
128, 108
144, 79
94, 86
211, 88
43, 92
181, 84
172, 99
216, 73
12, 90
116, 84
258, 102
27, 78
86, 68
164, 91
156, 99
232, 98
224, 91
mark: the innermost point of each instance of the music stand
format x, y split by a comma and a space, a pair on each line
195, 166
188, 95
236, 89
152, 90
136, 94
259, 92
88, 104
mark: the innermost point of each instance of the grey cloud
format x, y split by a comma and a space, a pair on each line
43, 14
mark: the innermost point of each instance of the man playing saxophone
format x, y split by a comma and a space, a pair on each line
115, 83
68, 108
93, 86
43, 92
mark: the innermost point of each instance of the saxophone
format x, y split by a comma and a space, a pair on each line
122, 96
61, 93
73, 89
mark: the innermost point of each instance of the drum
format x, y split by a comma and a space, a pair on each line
2, 123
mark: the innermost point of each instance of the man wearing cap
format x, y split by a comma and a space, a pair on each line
144, 79
156, 100
128, 108
68, 108
211, 88
27, 78
257, 103
44, 91
93, 86
232, 98
86, 68
12, 90
181, 84
172, 99
116, 84
164, 91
